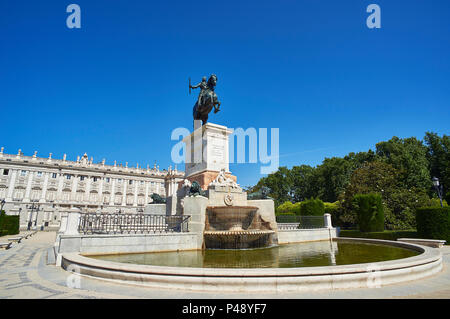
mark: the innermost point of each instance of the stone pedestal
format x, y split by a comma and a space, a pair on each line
73, 221
207, 154
195, 206
266, 209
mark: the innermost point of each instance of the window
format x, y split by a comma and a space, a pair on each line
95, 179
130, 182
51, 195
142, 182
68, 176
35, 194
82, 178
23, 173
119, 180
6, 171
54, 175
39, 174
108, 179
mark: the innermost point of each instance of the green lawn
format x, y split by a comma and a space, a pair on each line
387, 234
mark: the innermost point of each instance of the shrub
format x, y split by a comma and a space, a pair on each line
288, 207
369, 212
9, 225
312, 207
433, 222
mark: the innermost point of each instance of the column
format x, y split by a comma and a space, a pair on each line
327, 221
44, 187
135, 193
88, 189
60, 187
113, 191
26, 198
12, 181
124, 192
74, 188
100, 191
147, 185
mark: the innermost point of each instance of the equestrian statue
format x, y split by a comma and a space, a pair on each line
207, 98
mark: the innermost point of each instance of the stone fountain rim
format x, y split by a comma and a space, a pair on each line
428, 255
266, 279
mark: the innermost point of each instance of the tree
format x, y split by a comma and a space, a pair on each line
409, 157
438, 155
303, 182
333, 175
280, 184
399, 201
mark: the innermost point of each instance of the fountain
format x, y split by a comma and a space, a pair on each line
236, 227
216, 253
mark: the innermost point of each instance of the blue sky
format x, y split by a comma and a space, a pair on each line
117, 87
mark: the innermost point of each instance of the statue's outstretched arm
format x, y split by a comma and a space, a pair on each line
196, 86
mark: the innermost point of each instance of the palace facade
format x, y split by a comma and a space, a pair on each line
40, 189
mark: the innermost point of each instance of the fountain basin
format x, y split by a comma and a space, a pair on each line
236, 227
427, 263
230, 217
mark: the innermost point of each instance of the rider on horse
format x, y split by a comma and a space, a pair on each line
207, 99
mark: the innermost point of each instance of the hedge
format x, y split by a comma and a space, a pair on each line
386, 235
288, 207
369, 212
312, 207
433, 223
9, 225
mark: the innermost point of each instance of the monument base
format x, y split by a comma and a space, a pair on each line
204, 178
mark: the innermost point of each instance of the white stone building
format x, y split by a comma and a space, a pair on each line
56, 186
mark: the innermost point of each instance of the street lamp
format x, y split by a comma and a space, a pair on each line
3, 202
32, 207
439, 188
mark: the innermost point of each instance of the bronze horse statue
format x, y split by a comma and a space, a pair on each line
207, 99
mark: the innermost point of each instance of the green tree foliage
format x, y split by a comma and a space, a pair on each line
280, 184
399, 201
438, 155
409, 157
400, 170
332, 178
312, 207
303, 182
370, 212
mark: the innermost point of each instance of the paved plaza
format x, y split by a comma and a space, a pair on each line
24, 273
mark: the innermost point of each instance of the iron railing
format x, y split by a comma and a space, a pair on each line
300, 222
91, 223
